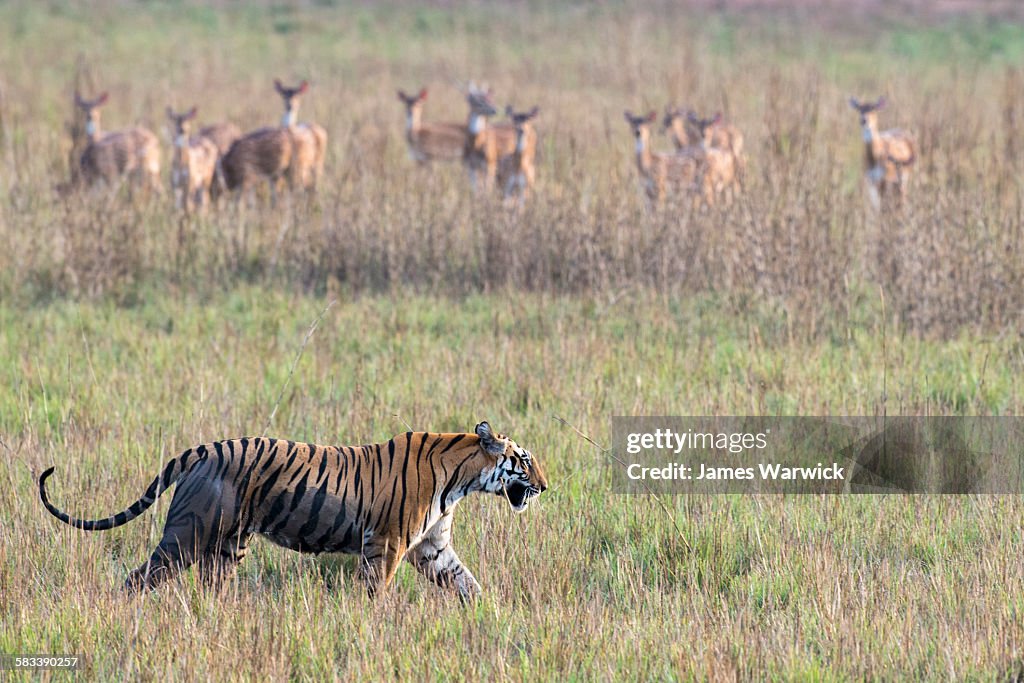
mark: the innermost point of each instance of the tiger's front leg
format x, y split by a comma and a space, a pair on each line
435, 558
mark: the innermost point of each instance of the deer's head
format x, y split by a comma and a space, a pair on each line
481, 106
90, 112
641, 126
523, 122
291, 98
704, 129
868, 112
182, 123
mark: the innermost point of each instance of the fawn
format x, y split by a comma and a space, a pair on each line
430, 141
516, 171
193, 164
687, 134
719, 163
107, 158
485, 144
661, 174
888, 155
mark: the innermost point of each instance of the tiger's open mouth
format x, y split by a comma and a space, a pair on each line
519, 494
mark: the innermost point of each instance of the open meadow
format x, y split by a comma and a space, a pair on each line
394, 299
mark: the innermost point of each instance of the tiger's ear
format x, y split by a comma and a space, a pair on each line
491, 443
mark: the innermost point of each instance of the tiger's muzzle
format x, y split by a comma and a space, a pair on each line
519, 494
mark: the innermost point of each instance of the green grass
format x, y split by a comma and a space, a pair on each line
128, 334
586, 581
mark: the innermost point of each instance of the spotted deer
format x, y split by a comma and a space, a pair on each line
516, 171
131, 154
888, 155
430, 141
193, 164
686, 134
260, 155
222, 135
661, 175
719, 163
309, 140
485, 144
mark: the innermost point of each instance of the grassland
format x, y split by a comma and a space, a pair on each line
127, 334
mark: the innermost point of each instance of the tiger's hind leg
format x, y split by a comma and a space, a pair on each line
435, 558
170, 558
200, 525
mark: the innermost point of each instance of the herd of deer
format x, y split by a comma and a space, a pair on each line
504, 153
217, 158
707, 163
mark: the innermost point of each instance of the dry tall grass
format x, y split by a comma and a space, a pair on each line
128, 332
801, 235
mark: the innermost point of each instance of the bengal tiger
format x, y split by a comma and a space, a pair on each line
384, 502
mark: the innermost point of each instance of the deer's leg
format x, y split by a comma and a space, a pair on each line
273, 192
492, 173
874, 195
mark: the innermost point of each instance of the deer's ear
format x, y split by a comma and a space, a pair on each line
854, 103
303, 87
278, 86
402, 96
423, 94
509, 111
534, 111
78, 99
192, 113
628, 115
170, 112
880, 103
102, 99
652, 116
717, 118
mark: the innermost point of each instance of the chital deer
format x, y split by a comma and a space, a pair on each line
430, 141
719, 163
685, 134
194, 162
107, 158
661, 175
888, 155
262, 154
485, 144
309, 141
515, 171
222, 135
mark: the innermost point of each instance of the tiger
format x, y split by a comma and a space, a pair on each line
384, 502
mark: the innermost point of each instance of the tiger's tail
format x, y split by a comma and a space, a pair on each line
174, 469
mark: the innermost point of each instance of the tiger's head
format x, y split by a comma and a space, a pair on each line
516, 474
